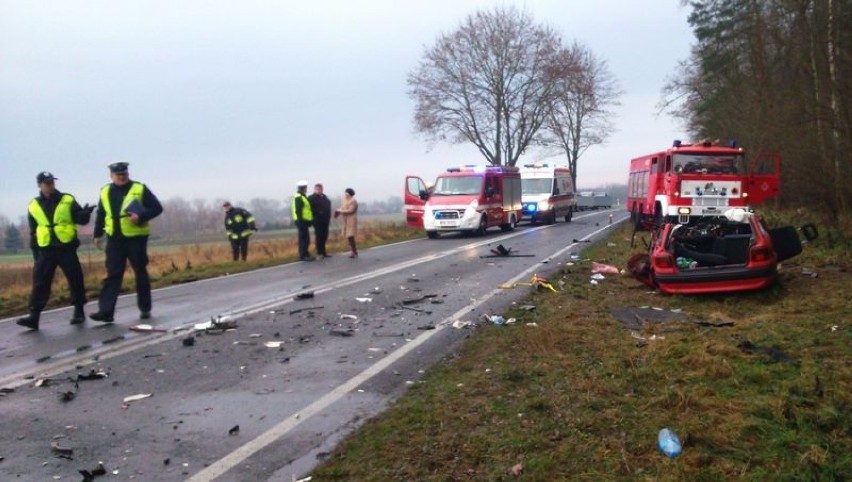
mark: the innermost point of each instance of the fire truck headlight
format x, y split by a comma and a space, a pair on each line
543, 206
684, 210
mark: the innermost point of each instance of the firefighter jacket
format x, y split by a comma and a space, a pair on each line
116, 201
300, 209
239, 223
53, 221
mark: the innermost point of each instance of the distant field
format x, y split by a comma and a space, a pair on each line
183, 259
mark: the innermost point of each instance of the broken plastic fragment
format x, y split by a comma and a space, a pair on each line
364, 300
273, 344
137, 397
458, 324
348, 317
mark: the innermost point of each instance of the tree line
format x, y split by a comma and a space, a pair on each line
775, 75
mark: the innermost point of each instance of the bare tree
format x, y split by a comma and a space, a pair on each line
486, 83
579, 116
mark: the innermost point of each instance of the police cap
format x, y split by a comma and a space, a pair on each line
45, 176
118, 167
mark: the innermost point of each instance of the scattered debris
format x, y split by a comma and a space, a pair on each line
773, 352
426, 327
345, 316
494, 319
364, 300
527, 307
502, 252
234, 430
604, 268
412, 301
304, 296
458, 324
92, 375
342, 332
42, 382
66, 397
418, 310
309, 308
598, 277
61, 451
147, 329
137, 397
389, 334
273, 344
89, 475
633, 318
536, 281
516, 470
188, 341
582, 240
5, 391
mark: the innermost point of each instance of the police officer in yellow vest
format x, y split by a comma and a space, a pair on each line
124, 210
53, 218
301, 214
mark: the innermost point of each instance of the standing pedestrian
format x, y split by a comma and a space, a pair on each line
321, 209
301, 214
53, 218
349, 210
239, 225
124, 210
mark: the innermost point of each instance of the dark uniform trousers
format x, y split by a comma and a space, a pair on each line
120, 250
304, 238
321, 233
46, 262
239, 247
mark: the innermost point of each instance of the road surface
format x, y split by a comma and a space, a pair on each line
266, 399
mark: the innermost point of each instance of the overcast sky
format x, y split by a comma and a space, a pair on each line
242, 99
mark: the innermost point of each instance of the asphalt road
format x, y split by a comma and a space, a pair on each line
231, 408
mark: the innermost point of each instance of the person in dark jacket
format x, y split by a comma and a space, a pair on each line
123, 213
303, 217
239, 225
53, 218
321, 208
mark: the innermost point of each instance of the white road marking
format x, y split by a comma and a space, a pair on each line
236, 457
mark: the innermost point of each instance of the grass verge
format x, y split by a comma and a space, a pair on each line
576, 396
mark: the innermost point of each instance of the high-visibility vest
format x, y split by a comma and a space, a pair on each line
307, 214
128, 229
63, 223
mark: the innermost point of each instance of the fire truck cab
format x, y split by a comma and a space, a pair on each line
467, 199
547, 193
702, 179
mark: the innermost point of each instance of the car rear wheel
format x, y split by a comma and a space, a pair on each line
433, 234
569, 215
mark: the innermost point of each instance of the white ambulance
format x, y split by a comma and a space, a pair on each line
547, 193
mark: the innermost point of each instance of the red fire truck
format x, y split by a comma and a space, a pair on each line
468, 199
702, 179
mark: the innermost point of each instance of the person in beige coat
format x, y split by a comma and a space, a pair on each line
349, 210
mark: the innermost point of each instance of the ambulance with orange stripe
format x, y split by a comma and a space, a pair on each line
465, 199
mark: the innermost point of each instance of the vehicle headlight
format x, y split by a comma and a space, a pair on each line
474, 204
543, 206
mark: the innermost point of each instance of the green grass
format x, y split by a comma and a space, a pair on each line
578, 398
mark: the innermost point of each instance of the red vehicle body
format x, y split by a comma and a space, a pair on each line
703, 179
467, 199
715, 254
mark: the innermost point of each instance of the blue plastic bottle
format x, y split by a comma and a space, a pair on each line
669, 443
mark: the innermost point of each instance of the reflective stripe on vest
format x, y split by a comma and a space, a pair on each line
128, 229
307, 214
63, 223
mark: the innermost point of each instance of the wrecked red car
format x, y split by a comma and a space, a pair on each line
713, 254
